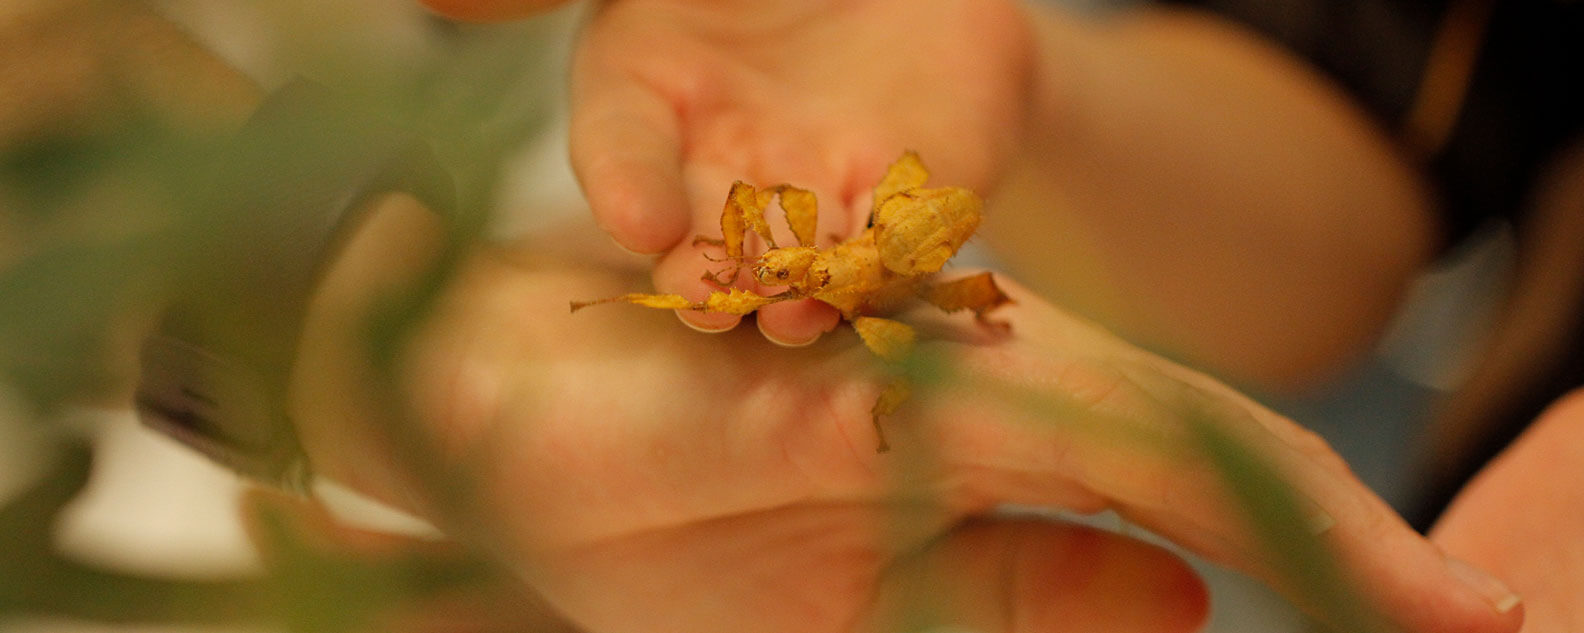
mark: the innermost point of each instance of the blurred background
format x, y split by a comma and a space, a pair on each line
152, 507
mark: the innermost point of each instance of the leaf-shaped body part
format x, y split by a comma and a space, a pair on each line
802, 212
662, 302
888, 339
919, 229
736, 301
744, 210
906, 173
978, 293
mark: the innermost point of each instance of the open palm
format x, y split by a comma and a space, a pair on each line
644, 477
672, 101
656, 479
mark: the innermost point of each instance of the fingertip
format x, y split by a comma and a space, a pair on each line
1493, 590
708, 322
625, 151
680, 272
1418, 589
797, 323
642, 209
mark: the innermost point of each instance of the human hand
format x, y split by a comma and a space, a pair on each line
677, 482
1536, 480
672, 101
644, 477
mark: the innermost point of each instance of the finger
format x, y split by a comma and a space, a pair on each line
626, 152
1024, 575
1132, 445
489, 10
1377, 553
1537, 478
681, 272
797, 323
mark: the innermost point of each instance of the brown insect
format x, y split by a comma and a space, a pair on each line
912, 232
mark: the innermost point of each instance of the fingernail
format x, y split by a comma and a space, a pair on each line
1494, 591
699, 328
784, 342
626, 249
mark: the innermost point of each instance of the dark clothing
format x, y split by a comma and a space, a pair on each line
1523, 104
1522, 108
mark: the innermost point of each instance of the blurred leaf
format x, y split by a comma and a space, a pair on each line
320, 588
124, 211
311, 588
34, 580
1269, 502
1273, 507
59, 311
42, 173
24, 520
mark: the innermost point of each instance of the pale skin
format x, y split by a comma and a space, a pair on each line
730, 94
667, 507
1159, 171
1519, 518
665, 477
1244, 284
666, 457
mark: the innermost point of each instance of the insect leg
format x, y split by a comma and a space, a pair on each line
891, 398
888, 339
802, 212
978, 293
664, 302
744, 210
891, 341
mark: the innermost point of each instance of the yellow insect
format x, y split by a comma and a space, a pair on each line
912, 232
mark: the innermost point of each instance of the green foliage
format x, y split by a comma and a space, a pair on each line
108, 219
116, 219
1270, 505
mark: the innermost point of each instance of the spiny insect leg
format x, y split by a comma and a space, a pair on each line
891, 341
664, 302
744, 210
731, 301
802, 212
715, 277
